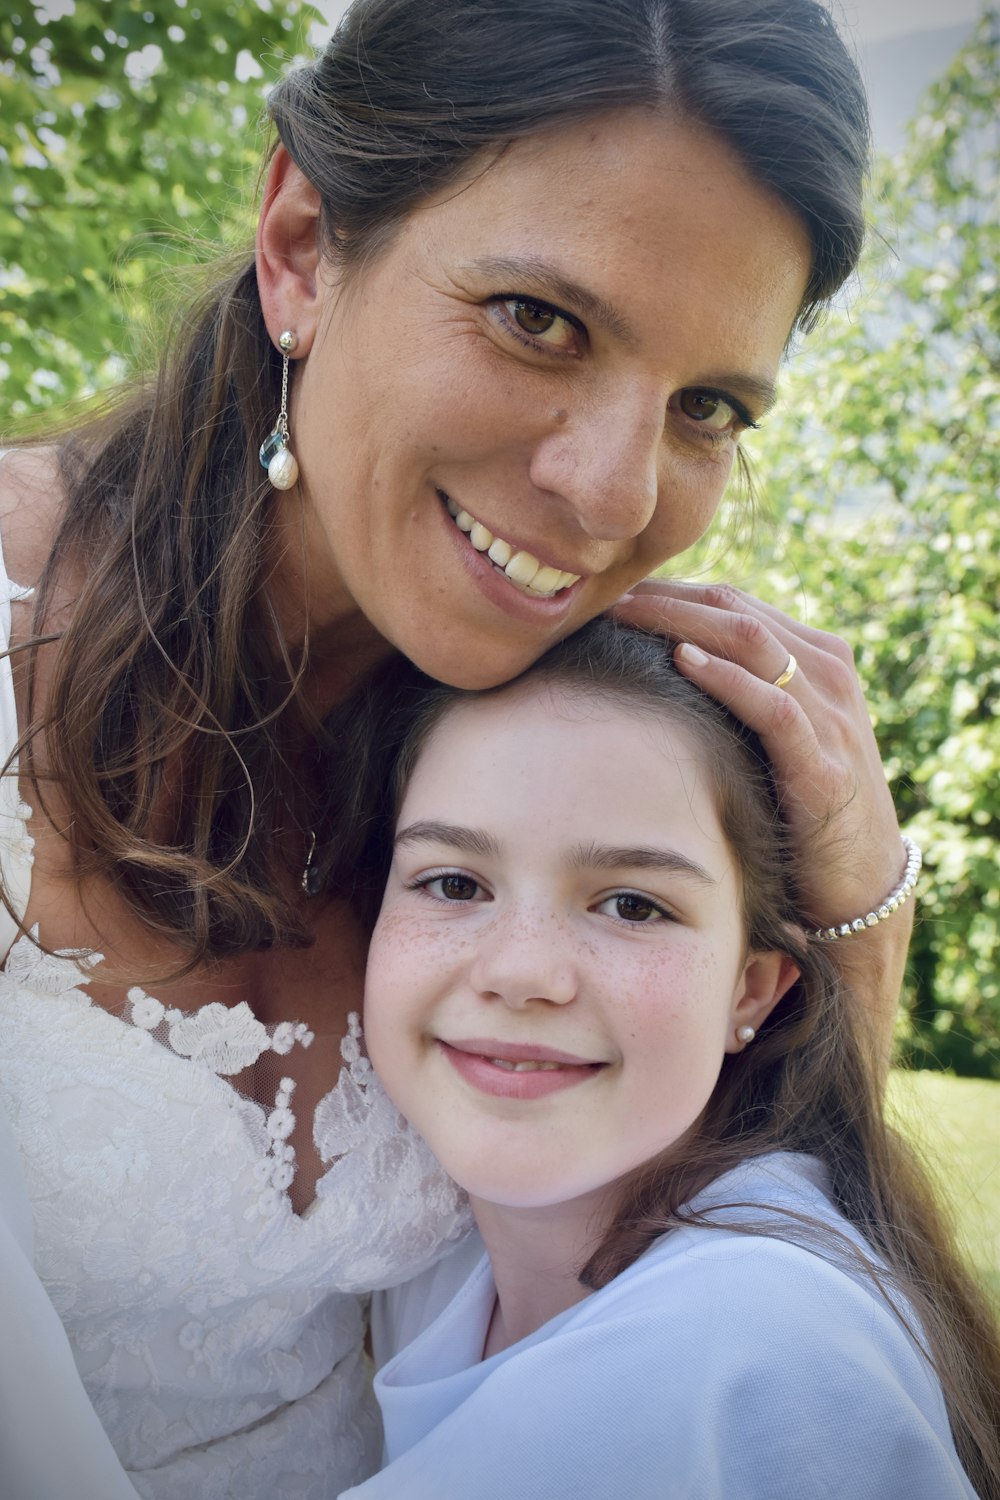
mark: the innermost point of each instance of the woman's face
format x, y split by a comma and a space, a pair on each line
559, 964
560, 353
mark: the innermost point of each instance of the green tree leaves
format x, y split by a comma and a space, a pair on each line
885, 467
129, 130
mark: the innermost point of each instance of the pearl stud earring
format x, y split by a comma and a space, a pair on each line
745, 1034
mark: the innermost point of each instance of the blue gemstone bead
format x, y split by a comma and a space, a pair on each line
272, 444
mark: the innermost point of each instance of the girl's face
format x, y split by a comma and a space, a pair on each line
559, 965
563, 350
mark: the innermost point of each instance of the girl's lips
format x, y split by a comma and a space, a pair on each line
509, 1072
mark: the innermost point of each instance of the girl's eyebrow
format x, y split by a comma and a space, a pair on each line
585, 856
640, 857
469, 840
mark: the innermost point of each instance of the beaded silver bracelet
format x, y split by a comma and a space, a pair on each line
902, 893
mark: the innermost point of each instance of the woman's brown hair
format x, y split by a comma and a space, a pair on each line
805, 1085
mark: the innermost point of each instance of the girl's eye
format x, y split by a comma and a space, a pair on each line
451, 887
629, 906
720, 414
538, 324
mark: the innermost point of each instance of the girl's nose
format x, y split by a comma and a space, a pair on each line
523, 961
604, 460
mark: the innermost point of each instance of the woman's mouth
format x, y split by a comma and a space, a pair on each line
519, 567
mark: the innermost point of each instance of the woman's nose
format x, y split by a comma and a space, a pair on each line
525, 960
603, 458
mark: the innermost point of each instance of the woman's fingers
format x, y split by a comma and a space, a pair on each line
659, 600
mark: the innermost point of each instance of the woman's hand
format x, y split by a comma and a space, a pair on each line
818, 736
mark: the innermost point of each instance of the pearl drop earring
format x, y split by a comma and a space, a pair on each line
275, 455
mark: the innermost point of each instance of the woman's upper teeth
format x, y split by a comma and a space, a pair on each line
522, 568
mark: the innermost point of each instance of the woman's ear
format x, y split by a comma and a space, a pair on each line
766, 979
288, 253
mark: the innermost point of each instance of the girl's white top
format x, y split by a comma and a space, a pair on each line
170, 1327
719, 1366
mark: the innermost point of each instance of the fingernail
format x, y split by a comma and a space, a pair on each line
691, 656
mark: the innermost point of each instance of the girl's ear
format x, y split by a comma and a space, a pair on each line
766, 978
288, 253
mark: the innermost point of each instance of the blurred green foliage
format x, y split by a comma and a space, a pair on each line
129, 130
884, 467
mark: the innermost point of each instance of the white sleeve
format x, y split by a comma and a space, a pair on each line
752, 1370
52, 1446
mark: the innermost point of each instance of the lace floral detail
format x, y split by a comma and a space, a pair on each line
16, 835
59, 973
225, 1038
228, 1039
14, 593
381, 1172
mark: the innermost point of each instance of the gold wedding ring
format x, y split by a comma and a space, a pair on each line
785, 677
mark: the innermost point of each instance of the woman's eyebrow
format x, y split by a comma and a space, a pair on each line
640, 857
469, 840
512, 270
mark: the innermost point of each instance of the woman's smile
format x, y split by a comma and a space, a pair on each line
519, 566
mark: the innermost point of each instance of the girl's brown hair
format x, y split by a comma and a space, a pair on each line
174, 725
805, 1085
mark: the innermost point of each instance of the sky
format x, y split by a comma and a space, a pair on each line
874, 20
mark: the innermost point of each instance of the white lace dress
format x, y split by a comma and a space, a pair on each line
216, 1334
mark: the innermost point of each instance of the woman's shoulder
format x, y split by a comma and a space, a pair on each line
32, 496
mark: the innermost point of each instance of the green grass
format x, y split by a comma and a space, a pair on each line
955, 1122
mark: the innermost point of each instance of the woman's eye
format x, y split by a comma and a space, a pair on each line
713, 411
452, 887
539, 325
534, 318
629, 906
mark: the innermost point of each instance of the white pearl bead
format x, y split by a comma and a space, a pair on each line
283, 471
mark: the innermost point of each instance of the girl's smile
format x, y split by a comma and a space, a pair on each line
513, 1072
